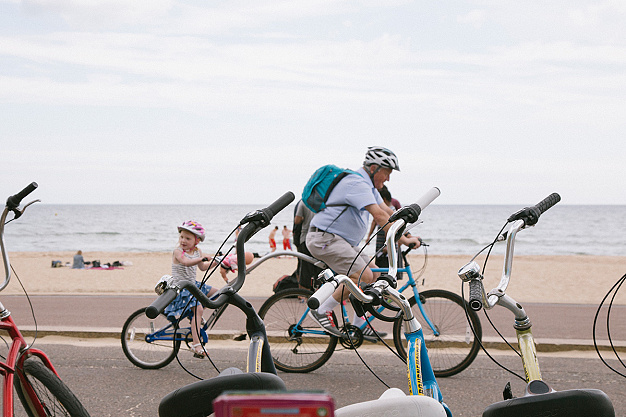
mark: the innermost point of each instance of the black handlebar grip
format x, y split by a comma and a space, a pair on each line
279, 204
15, 200
160, 303
476, 295
548, 202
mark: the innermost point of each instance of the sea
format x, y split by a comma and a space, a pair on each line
448, 229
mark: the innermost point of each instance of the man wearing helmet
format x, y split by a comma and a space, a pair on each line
336, 231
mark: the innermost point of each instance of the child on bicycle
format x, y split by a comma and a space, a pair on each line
228, 263
187, 257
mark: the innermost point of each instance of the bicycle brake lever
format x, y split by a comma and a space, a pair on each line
17, 213
530, 216
357, 305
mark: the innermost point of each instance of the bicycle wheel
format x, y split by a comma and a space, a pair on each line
295, 348
55, 397
149, 343
455, 347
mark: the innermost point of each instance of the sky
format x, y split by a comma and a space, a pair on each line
237, 102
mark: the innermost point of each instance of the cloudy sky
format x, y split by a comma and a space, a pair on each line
167, 101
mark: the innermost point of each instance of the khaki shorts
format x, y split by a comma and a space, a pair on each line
338, 254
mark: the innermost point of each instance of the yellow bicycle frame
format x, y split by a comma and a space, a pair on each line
528, 351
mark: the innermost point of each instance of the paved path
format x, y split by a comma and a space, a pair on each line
555, 326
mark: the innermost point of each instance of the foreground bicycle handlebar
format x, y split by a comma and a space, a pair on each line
12, 205
539, 398
519, 220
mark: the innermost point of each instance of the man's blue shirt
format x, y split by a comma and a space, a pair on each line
356, 191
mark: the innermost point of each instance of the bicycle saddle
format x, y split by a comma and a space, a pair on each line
394, 402
539, 399
196, 399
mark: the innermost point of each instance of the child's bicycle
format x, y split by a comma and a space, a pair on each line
154, 343
539, 399
300, 345
29, 370
197, 399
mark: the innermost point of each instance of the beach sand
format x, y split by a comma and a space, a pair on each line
537, 279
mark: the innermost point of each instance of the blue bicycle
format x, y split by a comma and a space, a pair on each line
300, 345
425, 398
154, 343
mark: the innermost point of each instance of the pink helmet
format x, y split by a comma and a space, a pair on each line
193, 227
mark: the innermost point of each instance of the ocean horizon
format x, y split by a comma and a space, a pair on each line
448, 229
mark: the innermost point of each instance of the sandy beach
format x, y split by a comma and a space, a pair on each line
540, 279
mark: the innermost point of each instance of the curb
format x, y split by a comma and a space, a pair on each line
543, 345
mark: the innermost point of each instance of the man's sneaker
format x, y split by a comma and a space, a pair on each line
368, 334
326, 321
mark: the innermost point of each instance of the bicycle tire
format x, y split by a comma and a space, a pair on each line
293, 351
53, 394
143, 353
456, 346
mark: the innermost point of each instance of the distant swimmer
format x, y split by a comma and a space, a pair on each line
273, 239
286, 238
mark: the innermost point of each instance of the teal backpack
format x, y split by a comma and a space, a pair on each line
319, 186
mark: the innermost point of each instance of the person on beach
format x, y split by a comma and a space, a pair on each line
186, 258
79, 262
273, 239
286, 238
336, 231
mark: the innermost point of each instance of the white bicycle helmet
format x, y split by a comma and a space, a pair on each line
382, 157
193, 227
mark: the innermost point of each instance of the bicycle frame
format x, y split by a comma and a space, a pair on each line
18, 353
295, 254
410, 283
306, 258
422, 379
166, 334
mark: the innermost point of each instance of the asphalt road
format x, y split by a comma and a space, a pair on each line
555, 326
109, 385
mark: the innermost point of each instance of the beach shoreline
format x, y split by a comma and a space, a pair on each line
576, 279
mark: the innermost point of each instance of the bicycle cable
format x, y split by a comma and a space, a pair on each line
614, 289
32, 311
368, 318
465, 306
343, 317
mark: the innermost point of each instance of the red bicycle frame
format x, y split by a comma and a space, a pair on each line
18, 353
